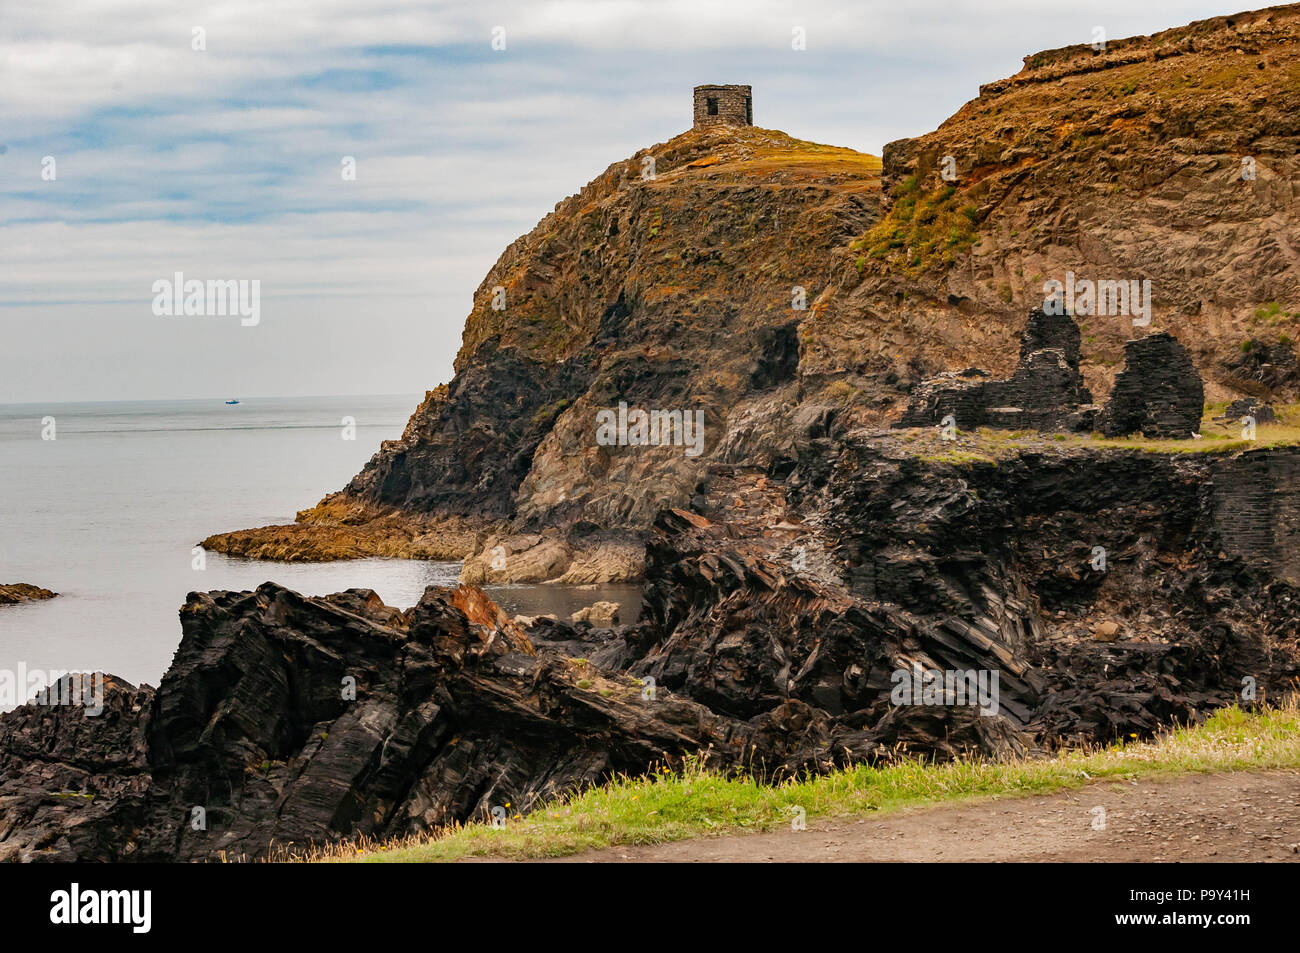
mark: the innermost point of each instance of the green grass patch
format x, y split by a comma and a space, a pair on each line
959, 457
922, 230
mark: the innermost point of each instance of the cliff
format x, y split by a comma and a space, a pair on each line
671, 293
1170, 159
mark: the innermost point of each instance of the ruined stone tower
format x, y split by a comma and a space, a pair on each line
723, 105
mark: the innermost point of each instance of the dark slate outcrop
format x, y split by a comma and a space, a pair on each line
1056, 331
291, 720
1248, 407
1158, 393
458, 455
454, 712
1268, 366
990, 566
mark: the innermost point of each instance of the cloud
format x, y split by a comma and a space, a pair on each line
225, 161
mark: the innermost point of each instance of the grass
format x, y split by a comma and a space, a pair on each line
988, 445
1267, 437
958, 457
924, 229
1215, 437
1272, 314
770, 153
670, 806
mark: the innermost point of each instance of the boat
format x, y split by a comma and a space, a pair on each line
232, 402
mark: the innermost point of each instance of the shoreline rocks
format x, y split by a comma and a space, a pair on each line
599, 614
17, 592
286, 720
337, 529
773, 634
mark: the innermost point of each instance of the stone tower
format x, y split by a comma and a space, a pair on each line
723, 106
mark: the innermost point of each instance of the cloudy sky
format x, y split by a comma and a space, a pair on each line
225, 161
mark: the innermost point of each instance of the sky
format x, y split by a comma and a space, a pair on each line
209, 139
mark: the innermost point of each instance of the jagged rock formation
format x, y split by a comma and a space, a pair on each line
991, 566
676, 292
22, 592
1157, 394
452, 711
1046, 391
1110, 593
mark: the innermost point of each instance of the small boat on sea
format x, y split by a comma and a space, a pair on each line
232, 402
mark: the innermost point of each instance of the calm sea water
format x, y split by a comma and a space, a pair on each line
108, 513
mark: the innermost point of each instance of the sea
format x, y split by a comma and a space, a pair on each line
105, 503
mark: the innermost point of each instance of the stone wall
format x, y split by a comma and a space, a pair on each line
1159, 392
1046, 392
731, 106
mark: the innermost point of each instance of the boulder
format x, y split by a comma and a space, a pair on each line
1248, 407
1107, 631
600, 614
528, 621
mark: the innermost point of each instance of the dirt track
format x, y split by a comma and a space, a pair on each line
1223, 817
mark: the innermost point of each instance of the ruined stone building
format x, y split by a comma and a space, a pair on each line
723, 105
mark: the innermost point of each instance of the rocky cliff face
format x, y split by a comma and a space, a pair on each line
1062, 595
674, 282
1168, 159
